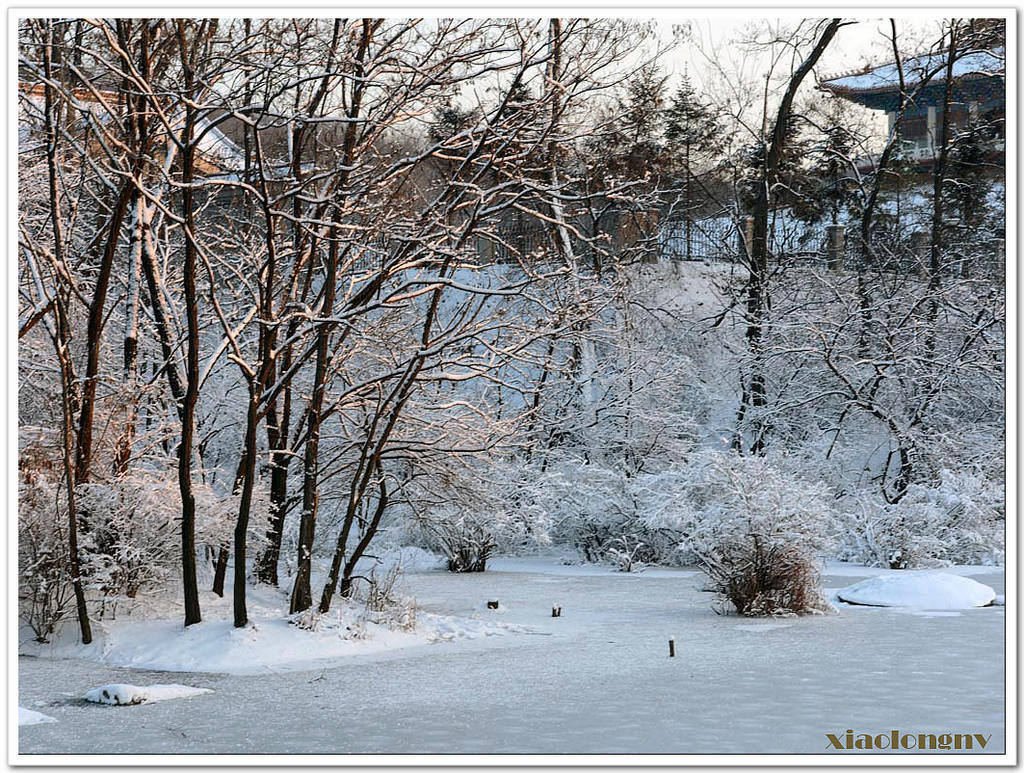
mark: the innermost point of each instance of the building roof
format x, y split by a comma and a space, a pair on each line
885, 77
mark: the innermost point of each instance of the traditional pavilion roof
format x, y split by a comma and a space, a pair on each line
980, 75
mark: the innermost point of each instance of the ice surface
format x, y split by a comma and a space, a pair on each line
131, 695
29, 717
919, 590
761, 626
596, 680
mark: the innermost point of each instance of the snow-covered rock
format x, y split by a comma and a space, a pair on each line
29, 717
919, 590
130, 694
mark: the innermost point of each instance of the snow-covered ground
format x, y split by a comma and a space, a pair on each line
597, 679
271, 642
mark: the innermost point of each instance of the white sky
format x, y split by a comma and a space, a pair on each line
716, 60
866, 42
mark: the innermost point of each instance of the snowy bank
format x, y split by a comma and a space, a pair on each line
132, 695
268, 643
919, 590
29, 717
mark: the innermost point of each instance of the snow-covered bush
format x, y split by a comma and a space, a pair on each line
130, 536
45, 593
383, 603
961, 520
466, 513
377, 601
757, 532
604, 513
465, 539
760, 575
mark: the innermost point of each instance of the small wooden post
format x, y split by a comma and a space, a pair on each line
671, 646
835, 244
746, 238
921, 244
492, 604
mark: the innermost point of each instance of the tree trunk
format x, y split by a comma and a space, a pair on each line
62, 336
94, 337
245, 505
131, 344
188, 412
938, 191
755, 390
302, 597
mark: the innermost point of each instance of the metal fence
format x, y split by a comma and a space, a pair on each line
894, 249
717, 239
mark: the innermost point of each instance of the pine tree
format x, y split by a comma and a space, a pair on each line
833, 187
634, 144
693, 137
968, 195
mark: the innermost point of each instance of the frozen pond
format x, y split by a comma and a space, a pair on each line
596, 680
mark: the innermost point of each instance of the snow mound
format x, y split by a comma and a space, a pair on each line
919, 590
29, 717
131, 695
414, 559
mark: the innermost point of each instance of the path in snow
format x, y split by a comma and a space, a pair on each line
598, 679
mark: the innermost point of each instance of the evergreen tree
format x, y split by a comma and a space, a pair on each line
693, 137
832, 187
634, 144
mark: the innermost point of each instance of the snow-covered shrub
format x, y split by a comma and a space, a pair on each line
45, 593
757, 532
383, 604
604, 513
959, 521
623, 552
464, 539
377, 601
131, 536
587, 503
466, 513
759, 575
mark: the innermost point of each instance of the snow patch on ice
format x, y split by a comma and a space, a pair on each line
132, 695
28, 717
449, 628
919, 590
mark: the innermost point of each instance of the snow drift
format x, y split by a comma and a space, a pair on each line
919, 590
268, 643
